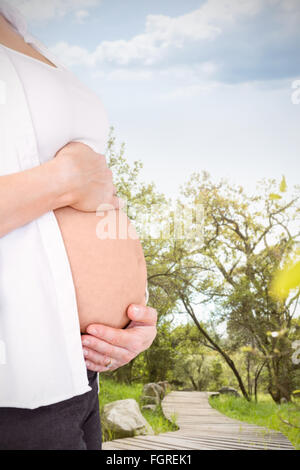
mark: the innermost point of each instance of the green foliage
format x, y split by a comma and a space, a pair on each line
283, 185
112, 391
246, 239
159, 422
194, 366
286, 279
216, 373
160, 358
265, 413
282, 189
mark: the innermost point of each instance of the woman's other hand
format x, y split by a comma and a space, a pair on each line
107, 348
86, 178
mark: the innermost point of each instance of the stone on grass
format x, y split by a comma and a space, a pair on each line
148, 400
152, 389
229, 391
164, 385
124, 419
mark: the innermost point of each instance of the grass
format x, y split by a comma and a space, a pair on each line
111, 391
264, 413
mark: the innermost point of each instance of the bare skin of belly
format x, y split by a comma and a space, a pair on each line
109, 273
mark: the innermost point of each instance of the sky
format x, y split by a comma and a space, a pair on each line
189, 85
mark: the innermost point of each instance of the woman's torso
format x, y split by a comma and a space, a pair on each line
108, 274
41, 359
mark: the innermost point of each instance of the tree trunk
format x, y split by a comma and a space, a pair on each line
279, 380
256, 377
248, 367
228, 360
193, 382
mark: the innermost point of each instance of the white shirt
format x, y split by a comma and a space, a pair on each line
62, 108
41, 109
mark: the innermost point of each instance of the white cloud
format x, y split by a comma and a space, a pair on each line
47, 9
189, 91
195, 78
204, 23
81, 15
189, 81
72, 55
124, 75
163, 32
189, 73
227, 41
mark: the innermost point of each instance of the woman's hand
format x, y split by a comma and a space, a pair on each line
107, 348
86, 178
77, 177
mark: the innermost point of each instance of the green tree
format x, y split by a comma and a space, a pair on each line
246, 239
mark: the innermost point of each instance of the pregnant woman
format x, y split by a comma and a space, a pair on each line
60, 273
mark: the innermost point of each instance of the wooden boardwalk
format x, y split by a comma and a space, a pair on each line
202, 427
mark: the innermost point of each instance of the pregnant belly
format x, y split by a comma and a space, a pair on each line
107, 263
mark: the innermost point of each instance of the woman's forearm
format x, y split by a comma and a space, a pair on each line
27, 195
77, 177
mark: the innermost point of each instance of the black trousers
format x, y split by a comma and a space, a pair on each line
73, 424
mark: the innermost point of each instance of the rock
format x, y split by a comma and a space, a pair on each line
283, 400
150, 400
214, 394
125, 419
153, 389
149, 407
229, 391
164, 385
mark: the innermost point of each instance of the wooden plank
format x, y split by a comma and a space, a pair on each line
202, 427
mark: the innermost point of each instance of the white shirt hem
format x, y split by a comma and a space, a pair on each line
53, 401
